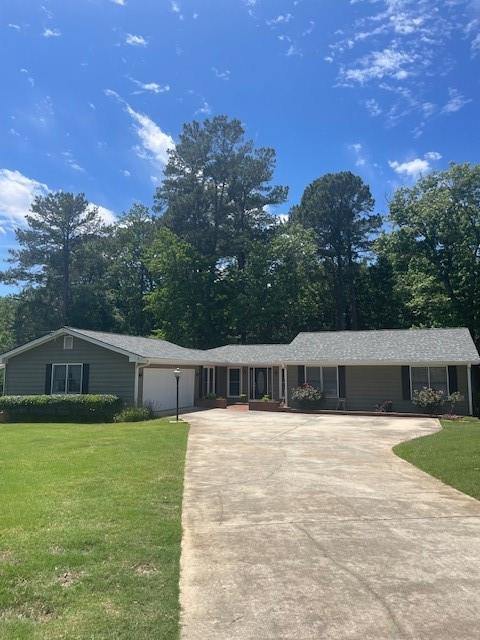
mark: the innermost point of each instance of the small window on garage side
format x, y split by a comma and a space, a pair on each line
67, 342
234, 382
330, 382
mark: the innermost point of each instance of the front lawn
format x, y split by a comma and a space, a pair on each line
90, 530
452, 454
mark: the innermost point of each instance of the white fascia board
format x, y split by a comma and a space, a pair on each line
381, 363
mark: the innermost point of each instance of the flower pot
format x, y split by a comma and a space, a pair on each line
264, 405
214, 403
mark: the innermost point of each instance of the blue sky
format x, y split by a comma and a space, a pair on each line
95, 91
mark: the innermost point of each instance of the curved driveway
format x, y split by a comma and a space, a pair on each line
308, 527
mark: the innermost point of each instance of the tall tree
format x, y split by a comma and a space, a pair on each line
217, 191
282, 289
180, 302
435, 247
338, 207
129, 277
53, 262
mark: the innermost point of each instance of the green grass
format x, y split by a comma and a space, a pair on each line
90, 530
451, 455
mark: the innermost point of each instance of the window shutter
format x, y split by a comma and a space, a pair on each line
342, 384
48, 379
452, 379
406, 394
85, 378
301, 374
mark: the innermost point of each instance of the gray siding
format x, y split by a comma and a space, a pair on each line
221, 381
369, 386
110, 372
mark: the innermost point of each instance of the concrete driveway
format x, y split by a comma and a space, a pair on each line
304, 527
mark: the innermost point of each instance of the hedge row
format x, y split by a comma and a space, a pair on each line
60, 408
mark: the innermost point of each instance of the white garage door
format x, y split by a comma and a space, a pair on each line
160, 389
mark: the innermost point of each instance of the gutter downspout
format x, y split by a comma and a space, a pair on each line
469, 387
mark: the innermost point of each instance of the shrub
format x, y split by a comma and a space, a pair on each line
210, 396
307, 396
135, 414
242, 397
60, 408
266, 398
429, 399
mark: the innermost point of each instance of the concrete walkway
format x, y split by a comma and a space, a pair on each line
305, 527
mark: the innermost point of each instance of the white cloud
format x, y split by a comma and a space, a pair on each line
17, 27
388, 63
280, 19
30, 79
411, 168
416, 166
17, 193
126, 173
154, 143
71, 162
135, 40
293, 51
205, 109
223, 75
456, 101
105, 214
121, 3
150, 87
357, 150
175, 7
373, 107
51, 33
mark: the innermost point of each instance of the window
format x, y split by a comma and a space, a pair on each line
208, 380
431, 377
67, 378
323, 378
68, 342
234, 382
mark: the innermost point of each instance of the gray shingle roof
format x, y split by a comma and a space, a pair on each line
251, 353
144, 347
385, 346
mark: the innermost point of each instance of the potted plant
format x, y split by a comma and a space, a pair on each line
212, 401
242, 398
264, 404
307, 397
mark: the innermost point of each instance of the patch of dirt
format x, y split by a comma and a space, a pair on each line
145, 569
70, 578
56, 550
37, 613
7, 557
110, 608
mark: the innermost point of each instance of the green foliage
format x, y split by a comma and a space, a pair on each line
134, 414
266, 398
338, 207
60, 408
243, 397
427, 398
211, 396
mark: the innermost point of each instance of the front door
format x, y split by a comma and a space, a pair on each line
258, 383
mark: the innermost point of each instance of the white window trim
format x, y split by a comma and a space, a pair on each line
207, 391
428, 367
67, 364
229, 395
315, 366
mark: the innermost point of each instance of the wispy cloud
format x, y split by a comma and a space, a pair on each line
205, 109
51, 33
150, 87
30, 78
397, 47
283, 18
154, 143
455, 102
223, 75
71, 162
175, 7
17, 27
135, 40
357, 150
121, 3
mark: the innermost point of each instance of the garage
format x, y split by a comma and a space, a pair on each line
160, 389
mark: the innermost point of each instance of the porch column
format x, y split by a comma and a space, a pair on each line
286, 386
469, 387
